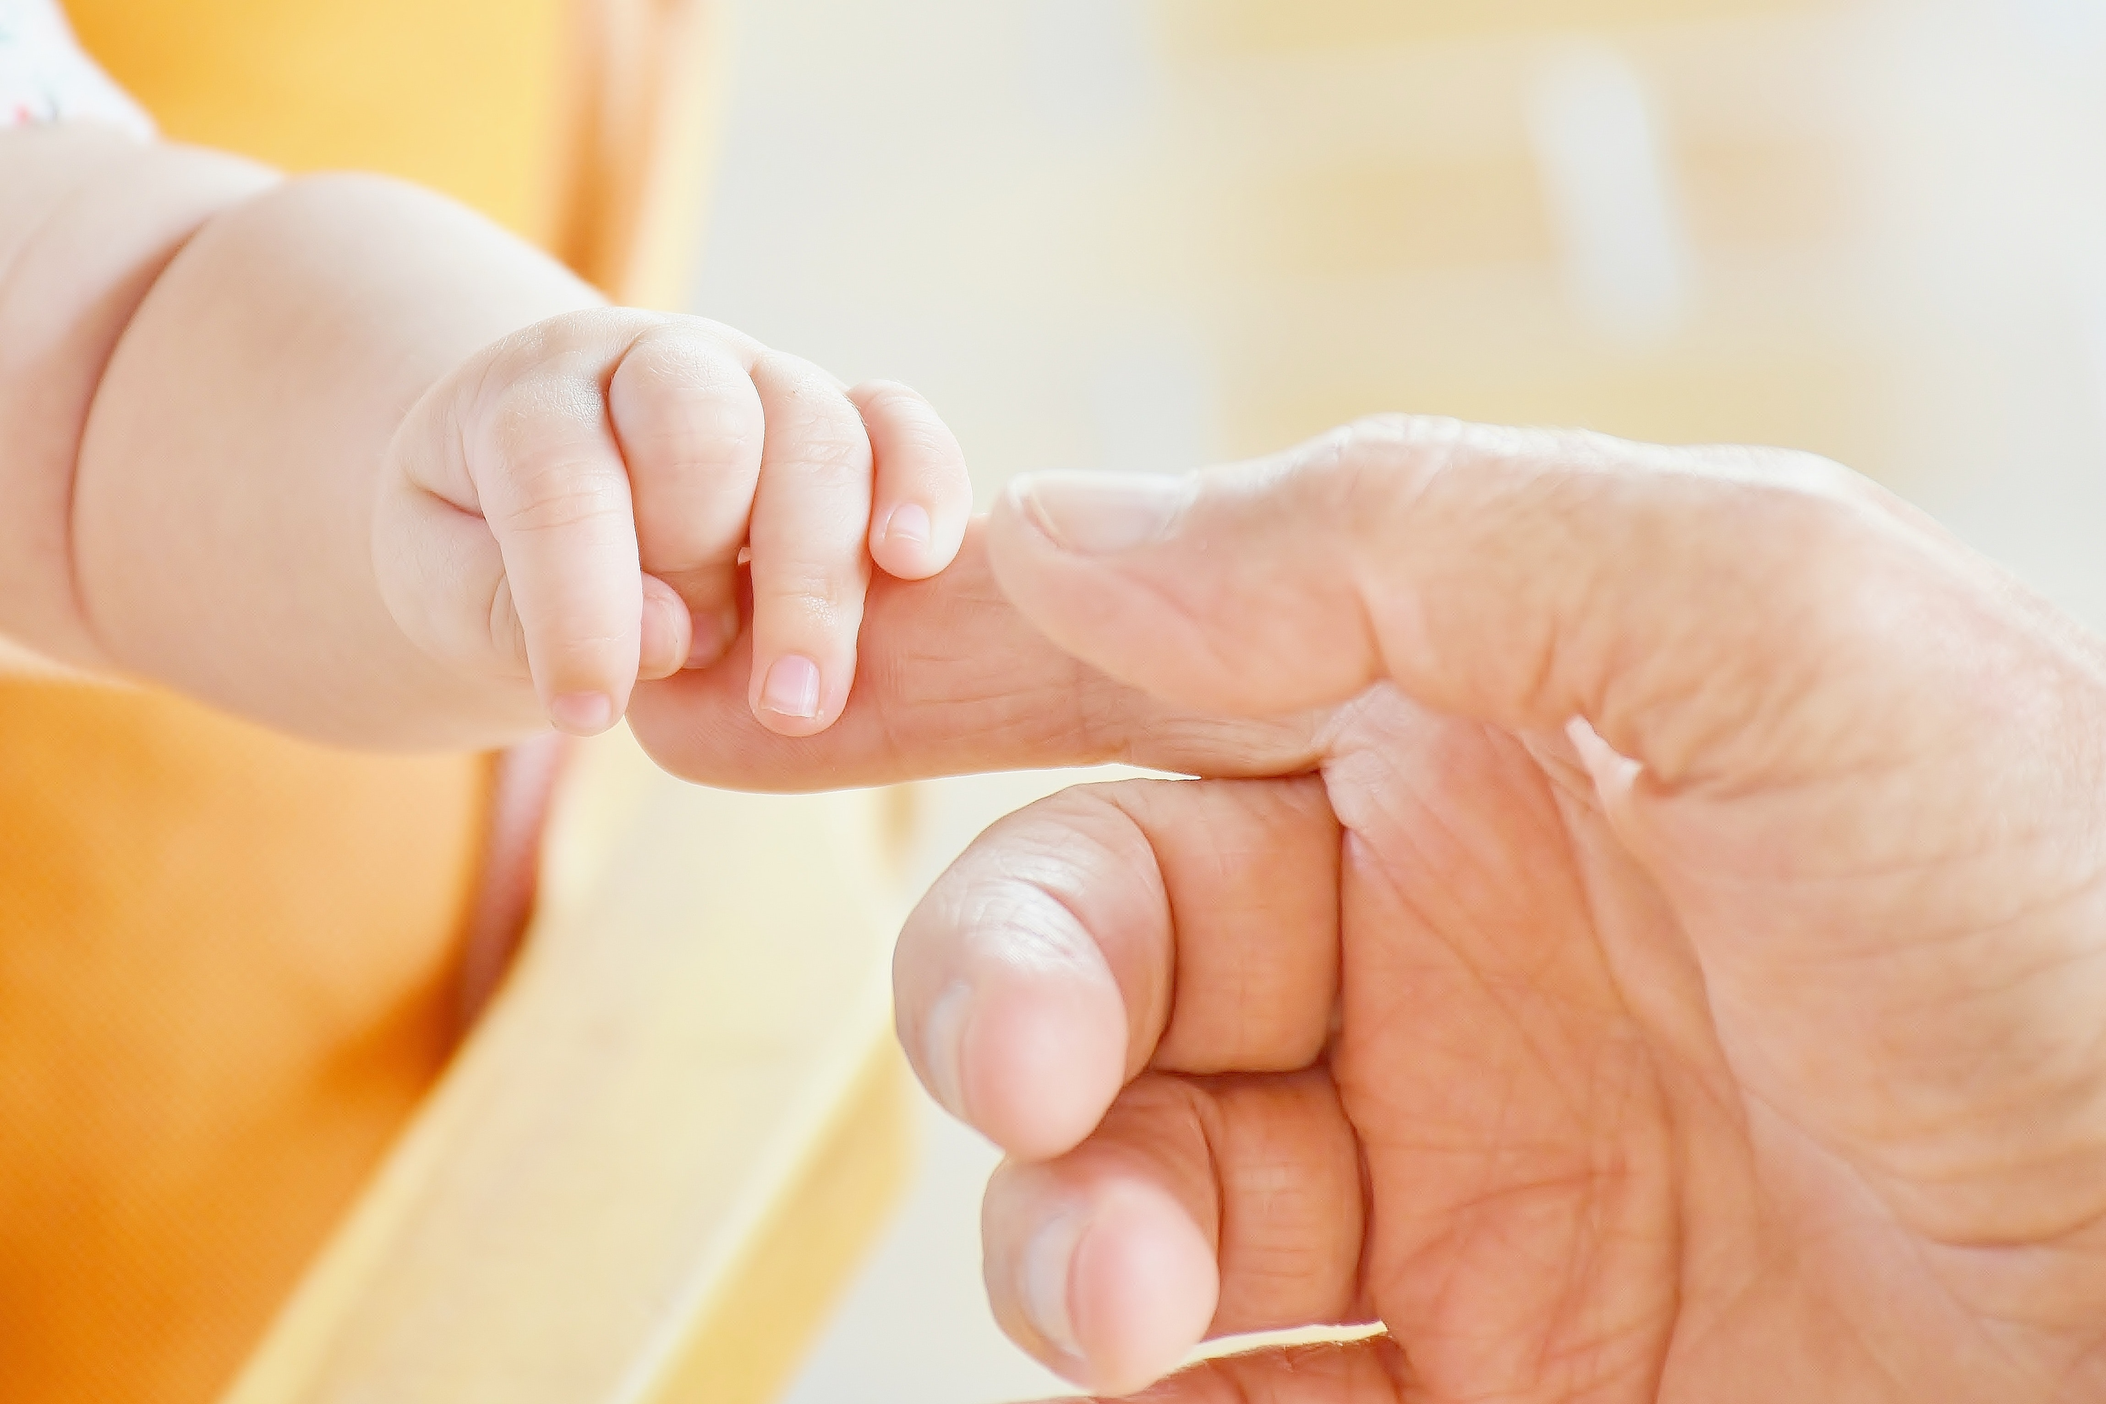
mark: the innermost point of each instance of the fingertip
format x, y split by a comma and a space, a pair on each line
908, 526
791, 687
909, 542
803, 668
582, 713
810, 538
903, 543
1107, 1280
1037, 1060
924, 492
795, 696
1013, 1013
1142, 1290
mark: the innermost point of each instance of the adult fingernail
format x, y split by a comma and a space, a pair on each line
1099, 514
1049, 1260
943, 1048
582, 713
792, 687
712, 636
909, 522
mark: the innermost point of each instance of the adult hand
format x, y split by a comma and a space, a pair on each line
1669, 965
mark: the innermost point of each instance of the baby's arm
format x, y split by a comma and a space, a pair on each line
205, 365
210, 377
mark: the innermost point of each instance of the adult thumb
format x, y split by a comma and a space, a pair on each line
1679, 600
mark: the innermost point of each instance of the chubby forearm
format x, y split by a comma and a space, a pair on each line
339, 456
89, 219
217, 402
223, 507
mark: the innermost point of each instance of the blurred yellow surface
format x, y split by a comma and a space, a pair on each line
464, 97
225, 981
229, 961
651, 1168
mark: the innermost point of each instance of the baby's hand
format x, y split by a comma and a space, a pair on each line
569, 510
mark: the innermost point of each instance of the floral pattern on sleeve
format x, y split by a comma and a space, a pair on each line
44, 76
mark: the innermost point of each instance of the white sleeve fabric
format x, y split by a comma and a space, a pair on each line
44, 76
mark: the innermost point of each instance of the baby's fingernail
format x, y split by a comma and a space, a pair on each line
909, 522
712, 635
582, 713
943, 1048
792, 687
1098, 514
1043, 1292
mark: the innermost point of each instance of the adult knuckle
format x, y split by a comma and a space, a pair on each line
1823, 557
1796, 507
1367, 476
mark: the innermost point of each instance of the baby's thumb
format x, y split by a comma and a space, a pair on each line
1520, 578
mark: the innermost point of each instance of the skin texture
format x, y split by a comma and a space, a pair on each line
1638, 935
1653, 951
340, 456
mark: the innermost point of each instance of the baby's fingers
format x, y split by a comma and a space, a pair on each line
551, 484
811, 516
923, 495
691, 427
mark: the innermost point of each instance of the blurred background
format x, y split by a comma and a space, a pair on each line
1146, 234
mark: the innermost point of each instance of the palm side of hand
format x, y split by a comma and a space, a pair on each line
1599, 1166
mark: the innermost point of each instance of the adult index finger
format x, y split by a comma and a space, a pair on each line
953, 681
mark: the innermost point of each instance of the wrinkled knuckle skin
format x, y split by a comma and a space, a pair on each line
1395, 443
1826, 565
560, 500
835, 458
554, 515
1390, 447
533, 470
1364, 475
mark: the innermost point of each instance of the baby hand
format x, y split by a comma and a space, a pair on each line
568, 512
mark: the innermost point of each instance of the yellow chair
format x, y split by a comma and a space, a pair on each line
242, 1120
